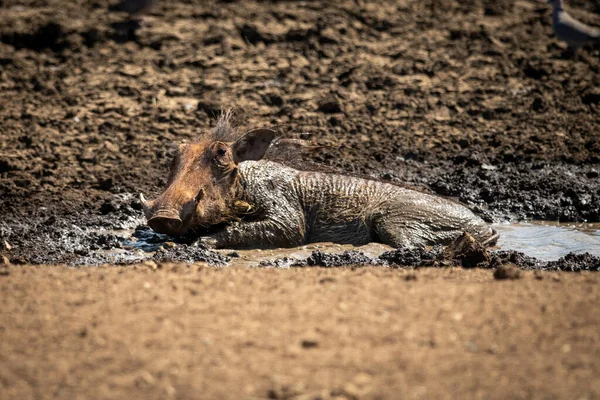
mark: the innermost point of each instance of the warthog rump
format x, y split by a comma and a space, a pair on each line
233, 180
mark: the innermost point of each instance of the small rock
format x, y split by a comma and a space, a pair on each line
410, 277
87, 155
309, 343
108, 207
113, 148
507, 272
4, 260
106, 184
326, 280
538, 275
330, 105
273, 99
591, 97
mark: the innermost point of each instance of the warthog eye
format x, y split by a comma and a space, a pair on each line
221, 151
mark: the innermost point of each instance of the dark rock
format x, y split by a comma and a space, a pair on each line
108, 207
309, 343
273, 100
591, 97
330, 105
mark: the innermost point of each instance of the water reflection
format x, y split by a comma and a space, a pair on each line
549, 241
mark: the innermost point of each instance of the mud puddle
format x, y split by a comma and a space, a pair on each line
144, 244
283, 258
548, 241
541, 240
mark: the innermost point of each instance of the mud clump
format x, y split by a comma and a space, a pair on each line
517, 258
189, 254
467, 251
338, 260
283, 262
569, 263
436, 256
321, 259
575, 263
413, 257
507, 272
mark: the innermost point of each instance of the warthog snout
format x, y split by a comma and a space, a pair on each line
168, 223
165, 221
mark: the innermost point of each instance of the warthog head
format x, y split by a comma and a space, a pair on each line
202, 183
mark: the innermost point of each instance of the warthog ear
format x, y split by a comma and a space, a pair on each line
253, 145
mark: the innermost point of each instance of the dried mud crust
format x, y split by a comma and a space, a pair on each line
473, 100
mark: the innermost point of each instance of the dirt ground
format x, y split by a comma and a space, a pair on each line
191, 332
471, 99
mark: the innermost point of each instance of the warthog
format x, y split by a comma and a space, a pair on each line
231, 180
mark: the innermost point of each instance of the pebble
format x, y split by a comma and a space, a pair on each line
507, 272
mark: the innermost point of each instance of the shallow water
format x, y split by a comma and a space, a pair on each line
548, 241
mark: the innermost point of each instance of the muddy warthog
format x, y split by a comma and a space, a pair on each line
231, 180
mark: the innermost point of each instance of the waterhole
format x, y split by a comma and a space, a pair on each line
544, 240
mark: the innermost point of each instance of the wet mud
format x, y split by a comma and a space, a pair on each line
456, 255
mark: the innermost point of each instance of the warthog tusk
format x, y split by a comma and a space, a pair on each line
143, 201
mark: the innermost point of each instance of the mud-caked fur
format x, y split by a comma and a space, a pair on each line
266, 203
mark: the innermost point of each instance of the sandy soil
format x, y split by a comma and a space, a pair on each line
470, 99
188, 332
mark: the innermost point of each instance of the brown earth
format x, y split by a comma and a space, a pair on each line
471, 99
189, 332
